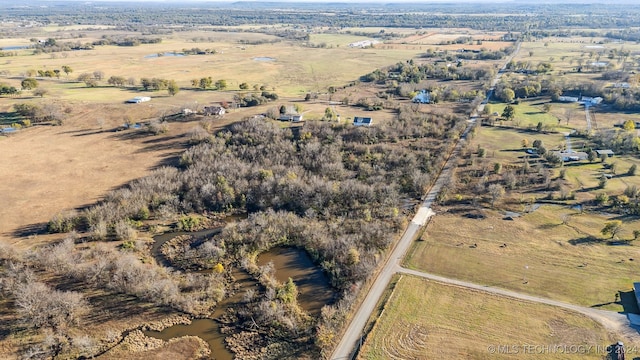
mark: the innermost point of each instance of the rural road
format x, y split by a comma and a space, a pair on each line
353, 333
588, 116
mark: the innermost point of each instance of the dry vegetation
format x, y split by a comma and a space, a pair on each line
428, 320
329, 188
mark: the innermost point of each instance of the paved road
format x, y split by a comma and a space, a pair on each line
613, 321
353, 334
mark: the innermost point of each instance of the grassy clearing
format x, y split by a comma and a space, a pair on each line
570, 262
428, 320
585, 176
505, 144
530, 112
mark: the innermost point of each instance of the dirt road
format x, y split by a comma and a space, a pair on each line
612, 321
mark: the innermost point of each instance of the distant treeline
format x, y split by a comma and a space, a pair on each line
521, 17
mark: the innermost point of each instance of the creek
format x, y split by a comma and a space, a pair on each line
314, 290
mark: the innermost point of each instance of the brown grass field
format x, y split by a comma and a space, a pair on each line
429, 320
49, 169
295, 70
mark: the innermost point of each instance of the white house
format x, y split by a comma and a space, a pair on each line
568, 99
138, 99
290, 117
362, 121
592, 100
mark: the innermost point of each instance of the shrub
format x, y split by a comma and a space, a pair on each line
99, 230
124, 231
157, 128
62, 223
602, 198
143, 214
189, 223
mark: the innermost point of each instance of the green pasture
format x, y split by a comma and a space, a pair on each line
555, 252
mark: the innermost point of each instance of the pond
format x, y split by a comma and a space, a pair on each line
313, 288
164, 54
208, 329
14, 47
264, 58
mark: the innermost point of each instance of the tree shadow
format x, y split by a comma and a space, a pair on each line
585, 240
629, 302
30, 230
618, 242
548, 226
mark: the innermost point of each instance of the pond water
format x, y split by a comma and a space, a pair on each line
164, 54
14, 47
208, 329
313, 288
264, 58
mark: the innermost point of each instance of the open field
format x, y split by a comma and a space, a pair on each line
505, 144
569, 53
293, 71
535, 253
530, 112
59, 168
428, 320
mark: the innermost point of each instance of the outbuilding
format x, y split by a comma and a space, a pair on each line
138, 99
362, 121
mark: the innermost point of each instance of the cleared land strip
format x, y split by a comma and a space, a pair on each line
353, 334
613, 321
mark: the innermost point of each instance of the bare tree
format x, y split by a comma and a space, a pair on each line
39, 305
568, 113
496, 191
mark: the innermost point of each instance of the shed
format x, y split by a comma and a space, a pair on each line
362, 121
607, 152
213, 110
